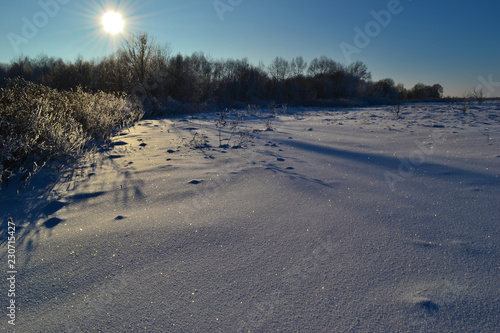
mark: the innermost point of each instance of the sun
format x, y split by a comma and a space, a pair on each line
112, 22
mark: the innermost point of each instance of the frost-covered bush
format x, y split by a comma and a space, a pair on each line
39, 125
101, 112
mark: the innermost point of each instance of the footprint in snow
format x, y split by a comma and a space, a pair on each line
53, 207
119, 143
52, 223
427, 306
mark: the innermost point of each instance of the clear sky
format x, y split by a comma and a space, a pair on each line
454, 43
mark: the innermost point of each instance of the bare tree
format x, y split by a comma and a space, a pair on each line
402, 91
359, 70
386, 88
21, 66
421, 91
279, 69
478, 95
139, 50
298, 66
437, 91
323, 66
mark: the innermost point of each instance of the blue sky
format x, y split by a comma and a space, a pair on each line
455, 43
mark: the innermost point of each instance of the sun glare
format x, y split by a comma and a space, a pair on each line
112, 22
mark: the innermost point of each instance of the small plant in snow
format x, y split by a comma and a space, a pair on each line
273, 107
478, 95
466, 106
220, 123
198, 141
396, 110
269, 124
244, 137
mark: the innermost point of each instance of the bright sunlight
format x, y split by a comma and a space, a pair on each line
112, 22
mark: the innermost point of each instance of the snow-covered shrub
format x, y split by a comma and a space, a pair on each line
39, 125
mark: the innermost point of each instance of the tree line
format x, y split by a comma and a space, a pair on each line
164, 82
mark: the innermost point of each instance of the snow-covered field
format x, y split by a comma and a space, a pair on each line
342, 220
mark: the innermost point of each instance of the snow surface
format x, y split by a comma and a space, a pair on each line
341, 220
